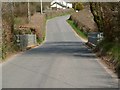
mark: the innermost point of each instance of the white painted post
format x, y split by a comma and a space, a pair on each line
41, 7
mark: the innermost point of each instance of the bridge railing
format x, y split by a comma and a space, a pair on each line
25, 41
95, 37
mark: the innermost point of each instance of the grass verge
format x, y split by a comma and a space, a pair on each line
51, 17
111, 50
77, 30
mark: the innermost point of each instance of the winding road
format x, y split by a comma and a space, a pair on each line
62, 61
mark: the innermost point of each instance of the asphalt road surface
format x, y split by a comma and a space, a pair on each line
63, 61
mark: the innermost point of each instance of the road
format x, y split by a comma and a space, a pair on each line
62, 61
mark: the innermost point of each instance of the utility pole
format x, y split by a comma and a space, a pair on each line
28, 11
41, 6
12, 15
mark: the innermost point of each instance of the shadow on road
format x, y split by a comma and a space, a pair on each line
77, 49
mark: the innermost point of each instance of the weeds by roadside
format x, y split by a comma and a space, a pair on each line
77, 30
110, 53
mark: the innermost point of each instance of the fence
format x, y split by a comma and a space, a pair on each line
26, 40
95, 37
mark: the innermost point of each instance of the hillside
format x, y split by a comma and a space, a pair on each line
84, 20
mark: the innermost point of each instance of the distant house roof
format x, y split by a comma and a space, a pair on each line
61, 3
58, 4
57, 1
